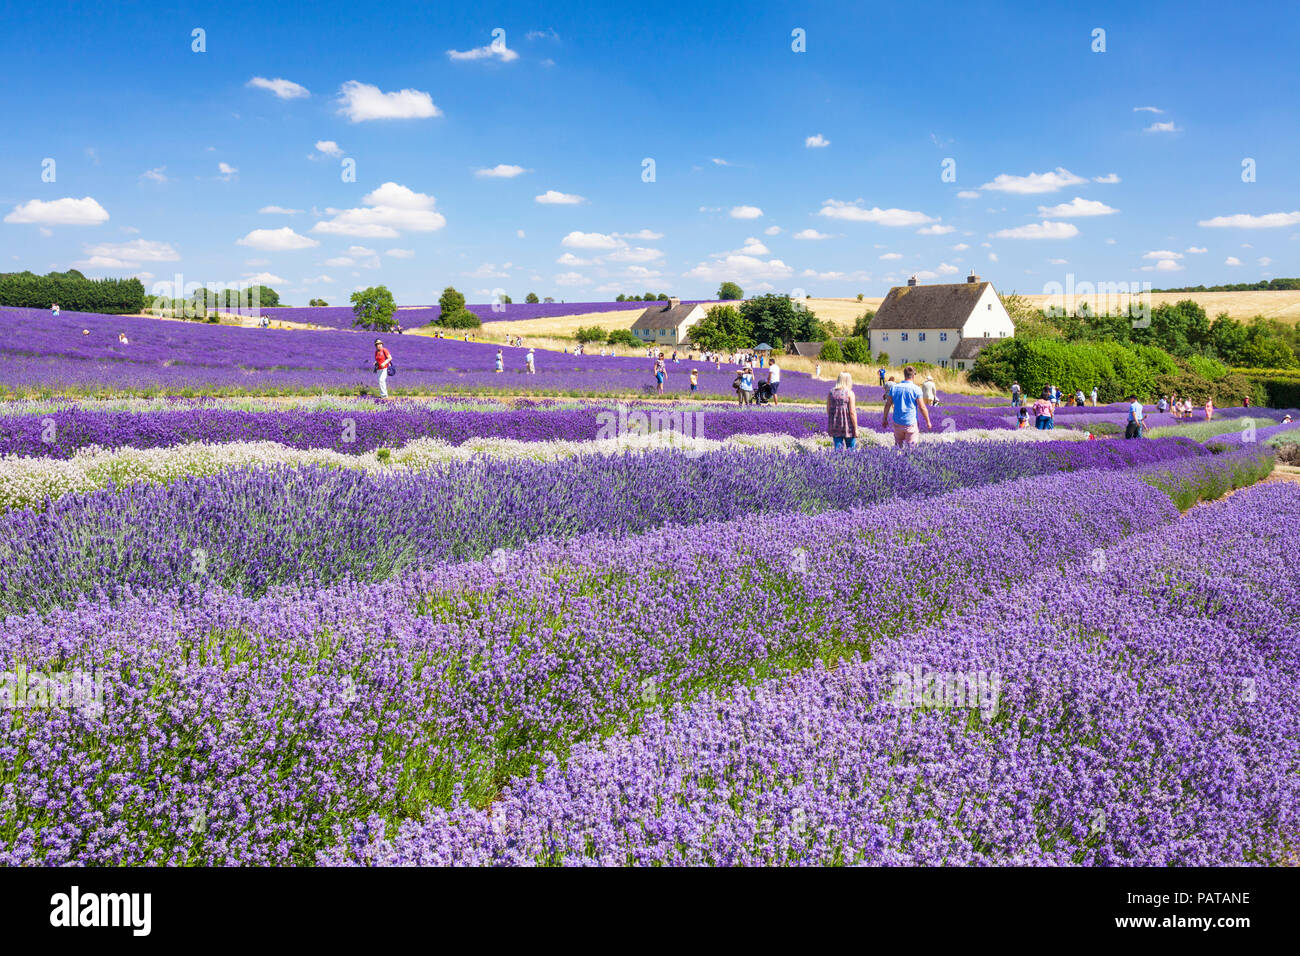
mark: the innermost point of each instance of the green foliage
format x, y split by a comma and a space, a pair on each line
831, 352
373, 309
622, 337
461, 319
663, 297
774, 319
316, 302
882, 358
1207, 368
723, 328
862, 324
859, 296
593, 333
451, 301
730, 291
1264, 285
620, 297
855, 349
531, 298
1274, 388
72, 291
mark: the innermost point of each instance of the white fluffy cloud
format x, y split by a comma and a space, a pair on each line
400, 253
739, 267
1162, 254
571, 278
634, 254
891, 256
772, 231
811, 234
752, 247
328, 147
646, 235
1039, 230
227, 171
134, 252
745, 212
1164, 265
500, 171
855, 212
156, 175
1195, 249
1162, 128
947, 270
1077, 207
1034, 182
554, 198
388, 211
59, 212
816, 141
1271, 220
961, 247
284, 89
590, 240
278, 211
1232, 261
264, 278
569, 259
497, 48
1108, 178
277, 240
361, 101
936, 230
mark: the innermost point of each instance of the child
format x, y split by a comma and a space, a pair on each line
500, 361
695, 380
1023, 416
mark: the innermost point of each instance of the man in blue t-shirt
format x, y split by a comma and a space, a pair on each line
1135, 418
905, 398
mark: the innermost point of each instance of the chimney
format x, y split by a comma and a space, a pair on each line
972, 277
912, 281
673, 302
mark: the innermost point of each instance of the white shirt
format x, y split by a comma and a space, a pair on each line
774, 373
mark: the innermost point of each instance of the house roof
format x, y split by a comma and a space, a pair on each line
664, 316
928, 306
969, 347
808, 349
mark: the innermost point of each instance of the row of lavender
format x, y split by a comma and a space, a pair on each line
314, 721
341, 316
353, 430
1111, 714
40, 354
252, 529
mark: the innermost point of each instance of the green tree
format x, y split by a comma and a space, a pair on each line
451, 301
831, 352
531, 298
622, 337
662, 297
317, 302
593, 333
882, 359
729, 291
723, 329
862, 324
620, 297
776, 319
373, 309
855, 349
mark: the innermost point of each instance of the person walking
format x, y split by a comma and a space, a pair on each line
930, 390
532, 365
1094, 396
842, 413
1044, 410
881, 375
54, 310
1209, 408
1135, 418
1163, 404
660, 371
501, 362
1015, 394
905, 398
1078, 398
695, 380
817, 372
383, 362
774, 380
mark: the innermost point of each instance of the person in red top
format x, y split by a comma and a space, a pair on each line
383, 359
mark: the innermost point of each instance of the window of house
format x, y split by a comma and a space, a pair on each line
961, 366
884, 336
943, 363
920, 336
943, 336
903, 336
986, 335
990, 306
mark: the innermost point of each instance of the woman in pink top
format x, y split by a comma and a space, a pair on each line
842, 413
1209, 409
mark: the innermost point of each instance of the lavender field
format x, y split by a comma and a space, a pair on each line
249, 616
341, 316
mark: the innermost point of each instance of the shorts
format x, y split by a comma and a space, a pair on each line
694, 387
776, 387
849, 443
659, 378
907, 434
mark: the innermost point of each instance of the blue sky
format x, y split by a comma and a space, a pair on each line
819, 170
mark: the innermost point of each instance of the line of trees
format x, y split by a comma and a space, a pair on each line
647, 297
1264, 285
72, 291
